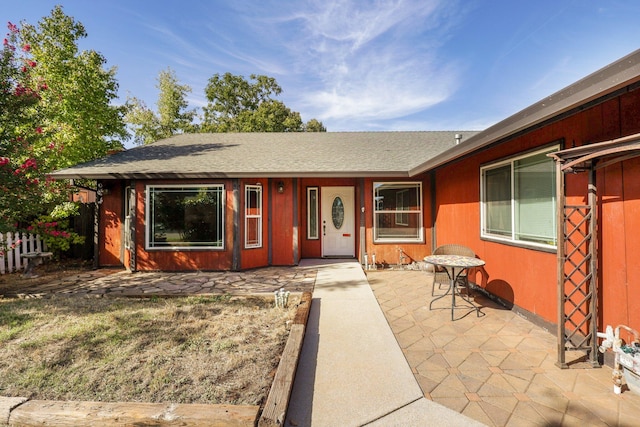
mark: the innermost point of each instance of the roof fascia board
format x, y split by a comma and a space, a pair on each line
142, 175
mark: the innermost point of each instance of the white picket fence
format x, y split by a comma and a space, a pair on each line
10, 259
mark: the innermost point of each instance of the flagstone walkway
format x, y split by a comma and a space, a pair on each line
111, 282
499, 368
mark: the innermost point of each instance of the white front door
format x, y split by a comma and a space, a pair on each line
338, 222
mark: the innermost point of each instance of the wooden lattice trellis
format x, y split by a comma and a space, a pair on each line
577, 245
577, 294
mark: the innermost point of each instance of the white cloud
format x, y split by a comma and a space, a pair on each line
366, 60
379, 88
338, 61
356, 23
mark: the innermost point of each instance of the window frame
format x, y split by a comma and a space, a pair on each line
248, 216
513, 238
148, 217
399, 215
313, 233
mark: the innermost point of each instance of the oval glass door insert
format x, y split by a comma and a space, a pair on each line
337, 212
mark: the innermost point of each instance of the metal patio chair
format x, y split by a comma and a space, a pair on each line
441, 278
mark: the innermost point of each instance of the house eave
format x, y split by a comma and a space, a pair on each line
229, 175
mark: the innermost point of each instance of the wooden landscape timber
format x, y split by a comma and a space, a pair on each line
275, 408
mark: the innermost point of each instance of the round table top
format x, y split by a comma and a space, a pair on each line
454, 261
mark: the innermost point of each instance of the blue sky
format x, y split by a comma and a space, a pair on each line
361, 65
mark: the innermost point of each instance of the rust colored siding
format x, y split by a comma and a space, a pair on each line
282, 214
620, 248
527, 277
110, 212
254, 257
520, 276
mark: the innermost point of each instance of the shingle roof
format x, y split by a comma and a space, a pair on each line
330, 154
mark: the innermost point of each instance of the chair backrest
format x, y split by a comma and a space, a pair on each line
453, 249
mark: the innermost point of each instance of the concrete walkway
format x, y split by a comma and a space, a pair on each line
352, 371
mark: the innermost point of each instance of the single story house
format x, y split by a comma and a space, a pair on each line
233, 201
511, 193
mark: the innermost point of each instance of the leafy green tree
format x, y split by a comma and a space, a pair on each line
239, 105
314, 125
172, 118
55, 111
21, 177
79, 121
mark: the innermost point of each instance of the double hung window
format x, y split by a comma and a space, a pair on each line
185, 216
519, 200
397, 212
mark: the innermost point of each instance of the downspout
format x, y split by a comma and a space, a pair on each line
593, 250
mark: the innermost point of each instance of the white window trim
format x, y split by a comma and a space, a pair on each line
247, 216
313, 234
511, 240
419, 213
147, 225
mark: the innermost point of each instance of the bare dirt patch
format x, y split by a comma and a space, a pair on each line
216, 350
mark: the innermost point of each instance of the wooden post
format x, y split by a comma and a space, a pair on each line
296, 226
237, 241
560, 244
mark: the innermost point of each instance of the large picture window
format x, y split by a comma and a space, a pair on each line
253, 216
182, 217
519, 200
397, 211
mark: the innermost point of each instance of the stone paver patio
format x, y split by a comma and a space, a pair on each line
499, 368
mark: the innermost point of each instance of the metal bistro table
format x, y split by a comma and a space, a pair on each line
454, 265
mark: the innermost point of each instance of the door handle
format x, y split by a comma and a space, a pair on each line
324, 228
